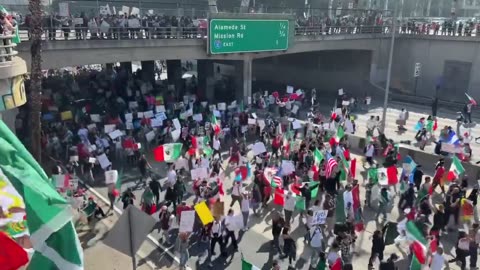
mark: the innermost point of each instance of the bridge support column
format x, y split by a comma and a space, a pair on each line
238, 80
243, 80
174, 74
127, 66
205, 80
247, 81
148, 71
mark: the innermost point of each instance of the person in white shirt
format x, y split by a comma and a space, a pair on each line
230, 230
438, 262
171, 177
369, 151
333, 254
371, 125
316, 239
245, 207
216, 236
236, 193
216, 147
204, 163
289, 207
83, 134
402, 119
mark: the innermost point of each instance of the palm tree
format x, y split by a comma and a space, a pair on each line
34, 98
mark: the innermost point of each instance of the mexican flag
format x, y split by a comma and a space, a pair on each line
373, 175
353, 167
313, 185
248, 265
419, 244
118, 184
340, 209
422, 194
279, 196
456, 169
344, 168
216, 125
200, 142
25, 186
471, 100
12, 255
392, 175
168, 152
340, 134
337, 265
317, 156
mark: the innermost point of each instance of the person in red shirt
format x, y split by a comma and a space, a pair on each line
180, 208
439, 173
276, 146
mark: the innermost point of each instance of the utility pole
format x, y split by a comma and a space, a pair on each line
389, 70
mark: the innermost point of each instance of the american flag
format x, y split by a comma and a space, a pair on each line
331, 164
274, 175
277, 181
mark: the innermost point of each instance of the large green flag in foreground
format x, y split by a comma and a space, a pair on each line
49, 216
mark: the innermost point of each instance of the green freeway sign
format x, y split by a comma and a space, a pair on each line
244, 35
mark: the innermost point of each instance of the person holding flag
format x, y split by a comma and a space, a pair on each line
384, 201
216, 147
439, 175
467, 109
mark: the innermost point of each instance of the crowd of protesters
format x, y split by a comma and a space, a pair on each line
322, 177
120, 26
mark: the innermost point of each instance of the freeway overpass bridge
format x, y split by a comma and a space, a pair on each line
325, 59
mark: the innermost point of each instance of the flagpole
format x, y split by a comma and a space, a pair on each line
389, 70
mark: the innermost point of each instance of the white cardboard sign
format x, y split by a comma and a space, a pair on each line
187, 219
259, 148
103, 160
111, 177
319, 217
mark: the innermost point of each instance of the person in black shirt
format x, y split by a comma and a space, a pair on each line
378, 246
143, 165
390, 263
277, 225
460, 253
439, 222
417, 176
155, 187
332, 183
453, 203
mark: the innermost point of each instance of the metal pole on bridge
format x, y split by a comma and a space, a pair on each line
389, 70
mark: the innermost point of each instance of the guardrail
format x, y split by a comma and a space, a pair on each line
341, 30
7, 49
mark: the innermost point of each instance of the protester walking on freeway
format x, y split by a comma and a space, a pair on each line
181, 246
230, 230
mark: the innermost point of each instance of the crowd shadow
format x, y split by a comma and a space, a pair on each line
160, 259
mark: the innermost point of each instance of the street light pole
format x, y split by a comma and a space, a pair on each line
389, 70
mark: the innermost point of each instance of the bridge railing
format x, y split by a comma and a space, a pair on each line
125, 33
7, 49
341, 30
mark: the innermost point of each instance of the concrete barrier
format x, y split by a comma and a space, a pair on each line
427, 160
